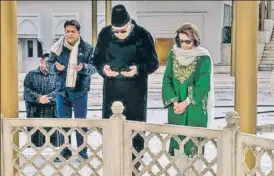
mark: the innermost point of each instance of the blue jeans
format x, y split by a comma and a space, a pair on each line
64, 110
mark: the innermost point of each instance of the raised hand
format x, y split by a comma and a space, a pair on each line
60, 67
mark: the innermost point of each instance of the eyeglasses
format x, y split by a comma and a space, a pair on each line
186, 41
119, 31
122, 31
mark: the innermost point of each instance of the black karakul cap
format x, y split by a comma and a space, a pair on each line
119, 16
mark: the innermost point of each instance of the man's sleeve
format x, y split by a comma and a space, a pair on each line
99, 55
29, 94
88, 68
149, 59
53, 93
51, 63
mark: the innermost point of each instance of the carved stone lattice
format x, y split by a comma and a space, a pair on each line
155, 158
264, 160
32, 160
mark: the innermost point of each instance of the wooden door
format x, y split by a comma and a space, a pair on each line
163, 46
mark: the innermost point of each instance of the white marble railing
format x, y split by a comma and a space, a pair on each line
110, 150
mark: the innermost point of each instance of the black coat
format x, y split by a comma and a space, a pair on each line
137, 49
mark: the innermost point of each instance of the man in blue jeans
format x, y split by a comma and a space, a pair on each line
71, 61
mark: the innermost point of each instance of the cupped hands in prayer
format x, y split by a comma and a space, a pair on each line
131, 73
111, 73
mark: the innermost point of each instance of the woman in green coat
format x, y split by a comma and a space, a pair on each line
187, 84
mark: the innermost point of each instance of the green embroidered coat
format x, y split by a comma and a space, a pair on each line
180, 82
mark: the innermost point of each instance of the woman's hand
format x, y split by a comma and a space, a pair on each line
179, 108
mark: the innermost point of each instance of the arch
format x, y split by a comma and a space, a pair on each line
57, 26
27, 27
101, 21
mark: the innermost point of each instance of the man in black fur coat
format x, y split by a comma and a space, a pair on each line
124, 56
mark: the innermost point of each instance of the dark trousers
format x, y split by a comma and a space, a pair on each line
64, 110
38, 138
133, 95
35, 110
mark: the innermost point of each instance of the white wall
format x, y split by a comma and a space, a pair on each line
210, 10
81, 8
47, 8
207, 14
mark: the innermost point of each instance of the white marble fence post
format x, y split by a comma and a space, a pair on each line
228, 155
1, 149
7, 149
113, 142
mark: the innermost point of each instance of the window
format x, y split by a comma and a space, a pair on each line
39, 49
227, 15
30, 48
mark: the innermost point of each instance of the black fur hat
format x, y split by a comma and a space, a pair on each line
119, 16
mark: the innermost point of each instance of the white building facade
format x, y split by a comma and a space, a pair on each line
37, 29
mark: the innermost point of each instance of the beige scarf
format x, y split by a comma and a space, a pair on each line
57, 48
186, 57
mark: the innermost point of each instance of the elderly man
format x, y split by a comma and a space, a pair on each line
39, 97
124, 56
70, 59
